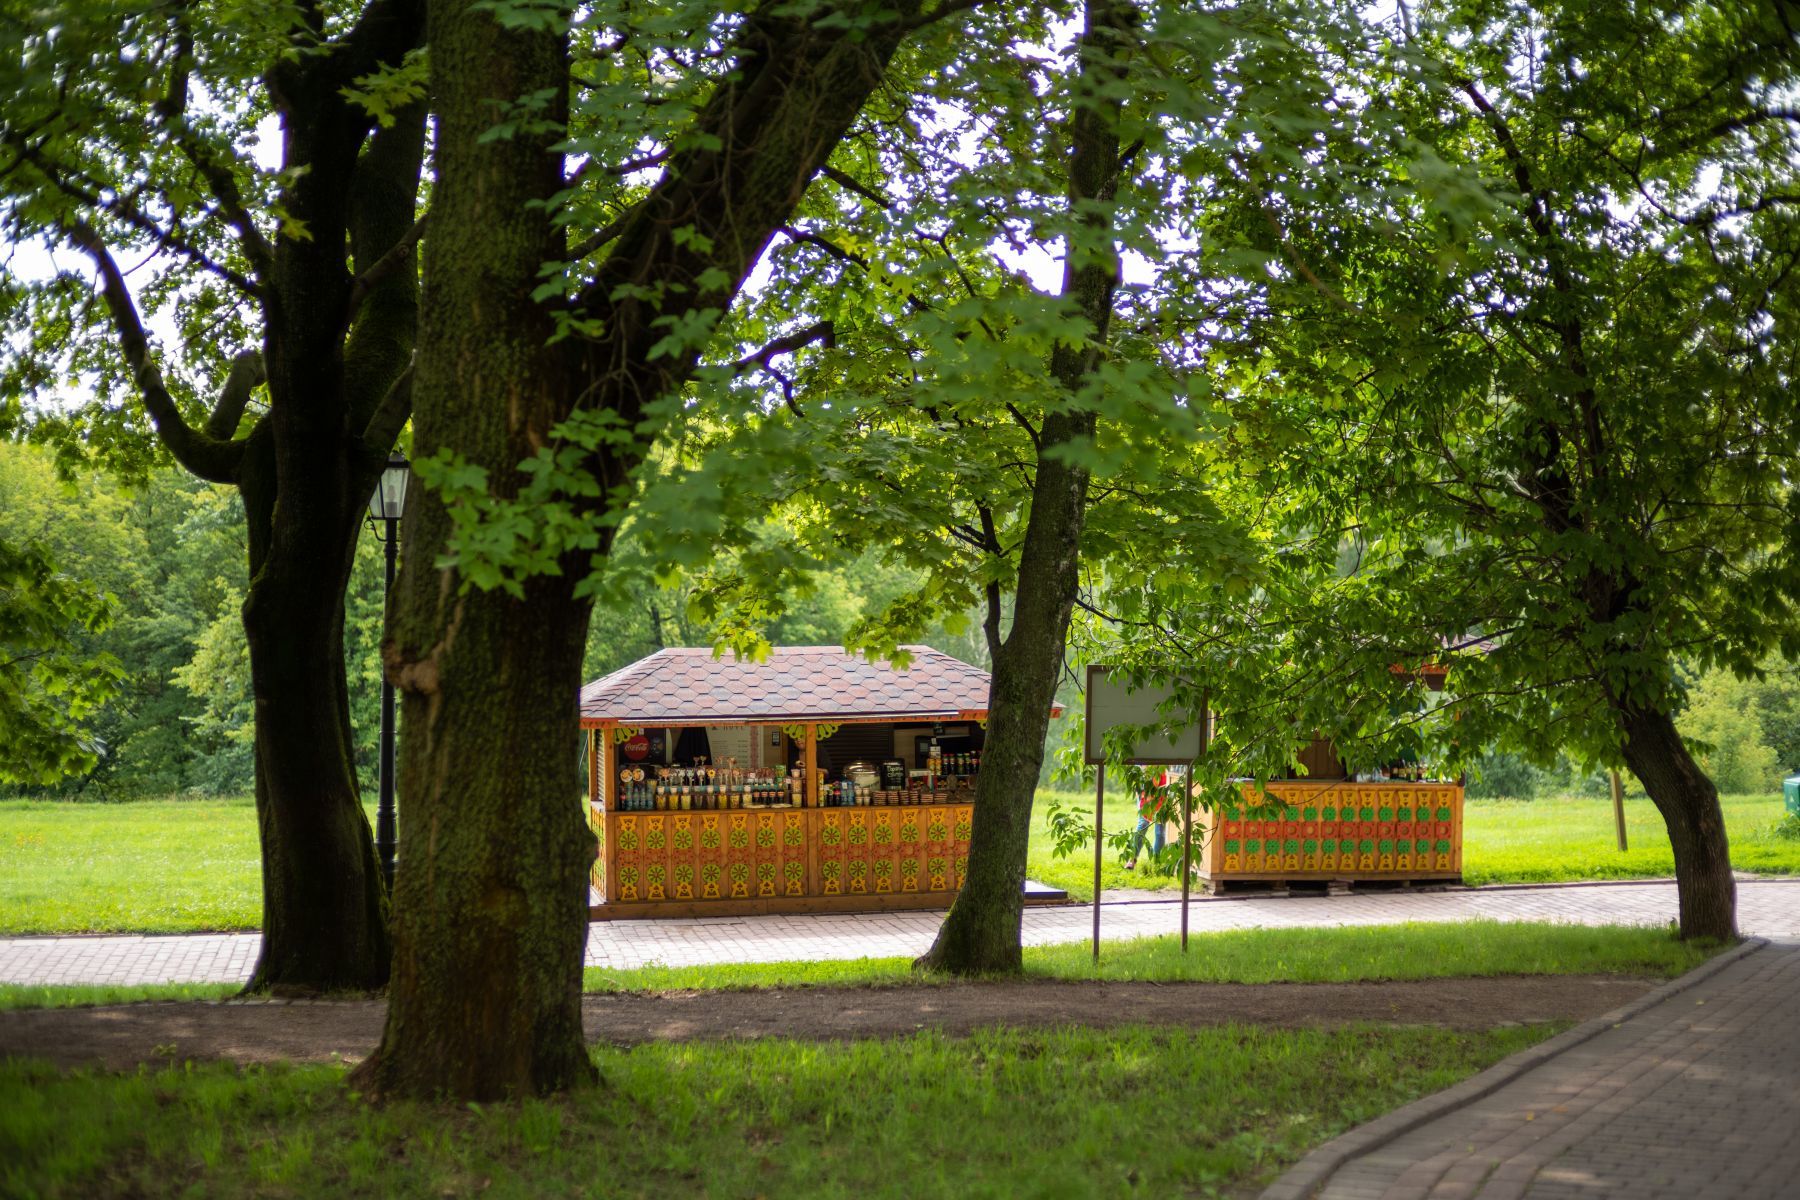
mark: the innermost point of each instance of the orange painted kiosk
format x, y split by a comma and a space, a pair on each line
812, 781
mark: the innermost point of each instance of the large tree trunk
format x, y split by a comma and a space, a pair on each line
981, 934
1689, 804
491, 893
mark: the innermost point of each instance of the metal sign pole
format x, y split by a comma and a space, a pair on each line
1099, 801
1187, 847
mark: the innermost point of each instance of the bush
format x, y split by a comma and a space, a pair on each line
1721, 718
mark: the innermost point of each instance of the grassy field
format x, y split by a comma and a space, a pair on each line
1055, 1113
167, 866
1405, 951
1532, 841
1413, 950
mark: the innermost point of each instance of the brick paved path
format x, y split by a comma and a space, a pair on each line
1697, 1097
1770, 908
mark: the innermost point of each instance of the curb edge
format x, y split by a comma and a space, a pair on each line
1304, 1179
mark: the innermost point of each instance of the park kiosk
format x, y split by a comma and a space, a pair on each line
811, 781
1400, 824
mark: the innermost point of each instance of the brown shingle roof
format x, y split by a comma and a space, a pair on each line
796, 683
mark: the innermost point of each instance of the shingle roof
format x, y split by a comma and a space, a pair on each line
795, 683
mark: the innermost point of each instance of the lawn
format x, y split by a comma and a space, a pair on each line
1002, 1113
1543, 841
169, 866
146, 866
1413, 950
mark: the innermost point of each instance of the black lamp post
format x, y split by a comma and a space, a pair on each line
385, 507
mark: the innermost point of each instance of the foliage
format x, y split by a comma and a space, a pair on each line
166, 548
1458, 426
48, 689
1721, 721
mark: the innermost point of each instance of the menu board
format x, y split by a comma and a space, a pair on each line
731, 741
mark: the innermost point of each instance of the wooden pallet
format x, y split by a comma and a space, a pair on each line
1313, 885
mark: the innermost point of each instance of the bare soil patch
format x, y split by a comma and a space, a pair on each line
122, 1036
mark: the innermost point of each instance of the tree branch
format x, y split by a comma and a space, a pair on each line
247, 374
172, 110
210, 458
390, 415
395, 257
851, 184
822, 332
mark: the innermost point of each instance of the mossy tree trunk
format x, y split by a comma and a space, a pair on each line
981, 934
492, 887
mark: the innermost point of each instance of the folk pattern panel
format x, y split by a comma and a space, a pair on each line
889, 851
746, 855
832, 830
778, 853
1381, 830
858, 841
740, 858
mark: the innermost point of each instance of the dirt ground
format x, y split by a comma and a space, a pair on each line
258, 1031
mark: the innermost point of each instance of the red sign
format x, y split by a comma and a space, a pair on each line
637, 748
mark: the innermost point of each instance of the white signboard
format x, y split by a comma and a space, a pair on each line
1112, 704
731, 741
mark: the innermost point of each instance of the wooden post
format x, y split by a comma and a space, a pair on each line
607, 760
809, 780
1618, 797
1099, 801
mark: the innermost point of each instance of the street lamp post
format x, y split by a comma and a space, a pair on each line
385, 507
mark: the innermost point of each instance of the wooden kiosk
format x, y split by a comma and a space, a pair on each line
721, 786
1326, 826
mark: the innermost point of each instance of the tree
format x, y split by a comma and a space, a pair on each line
981, 933
568, 357
1539, 402
910, 389
47, 687
124, 134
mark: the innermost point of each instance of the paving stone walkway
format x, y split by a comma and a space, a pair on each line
1769, 908
1696, 1097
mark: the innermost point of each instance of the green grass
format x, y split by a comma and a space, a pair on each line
16, 996
1002, 1113
1545, 841
1415, 950
178, 866
1075, 874
144, 866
